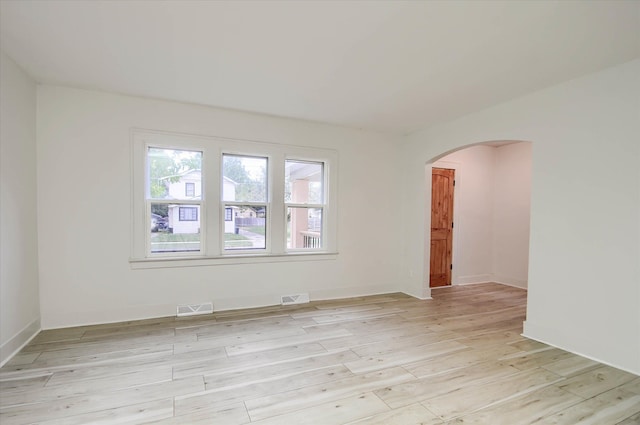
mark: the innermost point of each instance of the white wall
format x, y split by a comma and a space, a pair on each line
473, 206
584, 277
511, 214
84, 224
19, 299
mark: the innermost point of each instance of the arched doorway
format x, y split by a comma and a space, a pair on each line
490, 218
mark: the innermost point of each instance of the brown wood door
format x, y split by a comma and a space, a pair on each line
442, 182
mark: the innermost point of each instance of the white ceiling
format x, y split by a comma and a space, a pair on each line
381, 65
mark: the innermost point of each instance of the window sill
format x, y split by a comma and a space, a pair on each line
172, 262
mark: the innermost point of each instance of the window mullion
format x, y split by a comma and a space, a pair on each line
277, 208
211, 199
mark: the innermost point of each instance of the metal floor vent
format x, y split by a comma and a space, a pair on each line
294, 299
193, 309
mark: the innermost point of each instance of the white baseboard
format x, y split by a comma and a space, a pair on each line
471, 279
417, 297
239, 303
79, 318
490, 277
19, 340
546, 335
510, 281
351, 292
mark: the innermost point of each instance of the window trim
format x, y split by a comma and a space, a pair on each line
212, 208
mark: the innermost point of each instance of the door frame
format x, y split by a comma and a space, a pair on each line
458, 225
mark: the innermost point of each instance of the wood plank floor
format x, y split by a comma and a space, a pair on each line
387, 359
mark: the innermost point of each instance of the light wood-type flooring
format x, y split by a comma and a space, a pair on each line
387, 359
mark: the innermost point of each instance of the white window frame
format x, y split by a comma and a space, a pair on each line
212, 209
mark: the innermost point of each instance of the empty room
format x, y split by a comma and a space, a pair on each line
319, 212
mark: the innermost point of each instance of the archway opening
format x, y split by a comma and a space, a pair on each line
491, 214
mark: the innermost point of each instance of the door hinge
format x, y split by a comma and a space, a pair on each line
450, 266
452, 224
454, 182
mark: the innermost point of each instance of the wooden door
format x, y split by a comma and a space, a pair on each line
442, 183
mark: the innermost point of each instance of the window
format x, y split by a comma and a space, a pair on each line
212, 199
188, 214
190, 189
244, 187
175, 225
304, 200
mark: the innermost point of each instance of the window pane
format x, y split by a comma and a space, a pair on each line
244, 178
303, 182
175, 228
247, 228
304, 228
190, 189
174, 174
